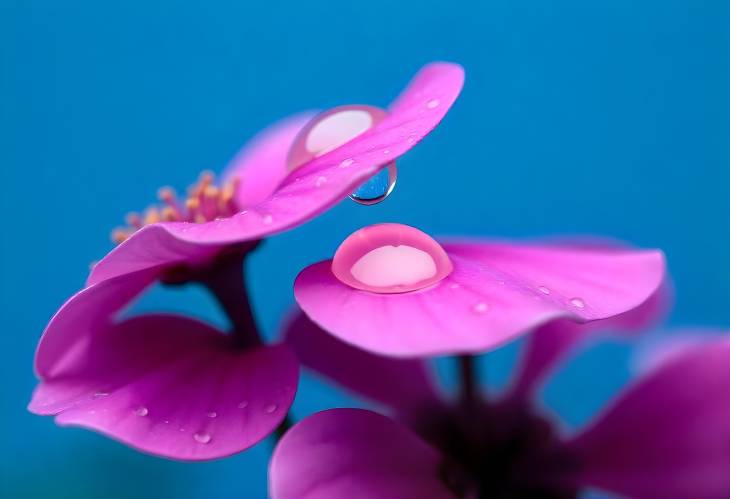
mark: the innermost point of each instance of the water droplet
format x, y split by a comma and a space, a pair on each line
331, 129
101, 394
433, 103
386, 151
390, 258
166, 421
543, 290
141, 411
455, 285
202, 437
320, 181
268, 219
378, 187
346, 163
481, 307
243, 404
577, 303
271, 408
212, 414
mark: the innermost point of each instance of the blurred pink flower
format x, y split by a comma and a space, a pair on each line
665, 437
173, 386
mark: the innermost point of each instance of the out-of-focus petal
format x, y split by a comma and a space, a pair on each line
262, 164
308, 191
553, 342
401, 384
668, 435
173, 387
353, 453
495, 293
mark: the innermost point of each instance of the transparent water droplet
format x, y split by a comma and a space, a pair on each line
543, 290
577, 302
141, 411
202, 437
331, 129
433, 103
320, 181
480, 307
346, 163
378, 187
271, 408
268, 219
386, 151
454, 286
166, 421
101, 394
243, 404
212, 414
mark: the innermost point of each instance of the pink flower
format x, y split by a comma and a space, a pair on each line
393, 290
173, 386
666, 436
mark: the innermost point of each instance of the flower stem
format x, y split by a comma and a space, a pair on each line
467, 375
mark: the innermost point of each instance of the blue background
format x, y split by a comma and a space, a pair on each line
607, 117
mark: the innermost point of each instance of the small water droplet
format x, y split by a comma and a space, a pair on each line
212, 414
378, 187
181, 429
454, 286
320, 181
386, 151
243, 404
543, 290
202, 437
166, 421
271, 408
268, 219
411, 139
141, 411
577, 302
433, 103
101, 394
346, 163
480, 307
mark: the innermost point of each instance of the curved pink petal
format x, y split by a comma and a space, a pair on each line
262, 164
668, 435
551, 343
496, 292
173, 387
354, 453
308, 191
402, 384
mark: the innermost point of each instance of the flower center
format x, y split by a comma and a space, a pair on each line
390, 258
204, 202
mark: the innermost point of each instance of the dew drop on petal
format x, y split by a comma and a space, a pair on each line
320, 181
390, 258
202, 437
331, 129
346, 163
212, 414
141, 411
271, 408
454, 286
268, 219
378, 187
433, 103
577, 302
480, 307
543, 290
101, 394
243, 404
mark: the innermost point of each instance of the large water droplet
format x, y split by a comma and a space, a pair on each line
378, 187
390, 258
331, 129
202, 437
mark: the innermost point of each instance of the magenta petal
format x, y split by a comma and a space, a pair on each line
495, 293
173, 387
551, 343
262, 164
354, 453
402, 384
308, 191
668, 436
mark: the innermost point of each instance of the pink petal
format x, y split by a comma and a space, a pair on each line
354, 453
553, 342
494, 294
310, 190
668, 435
261, 165
172, 387
403, 384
